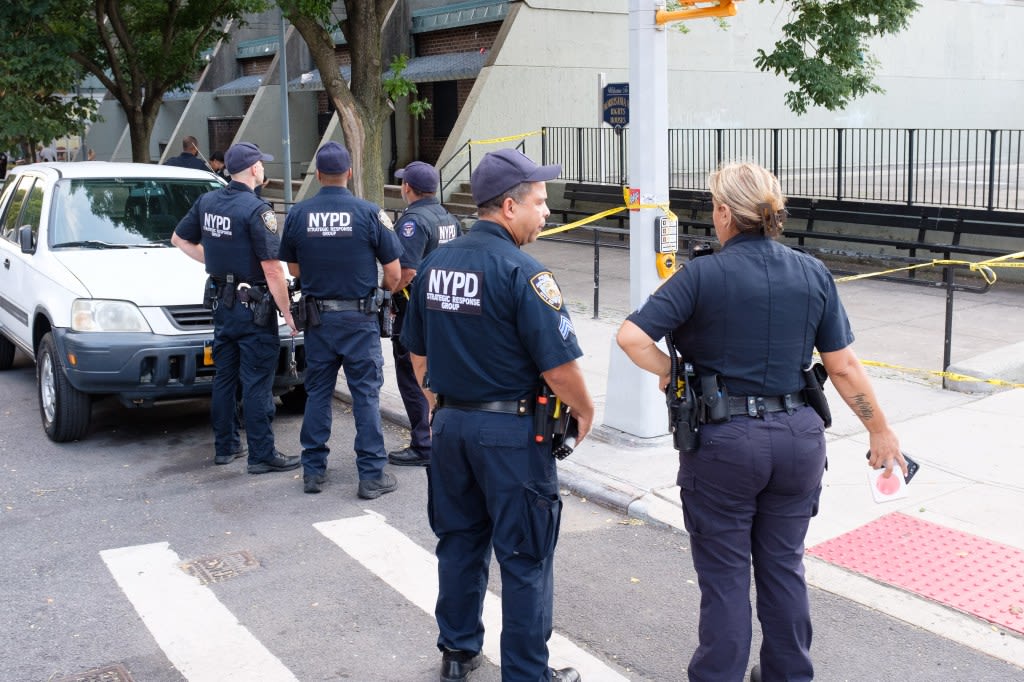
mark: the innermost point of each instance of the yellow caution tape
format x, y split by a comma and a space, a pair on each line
507, 138
939, 373
604, 214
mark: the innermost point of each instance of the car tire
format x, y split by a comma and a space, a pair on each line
6, 353
64, 409
294, 401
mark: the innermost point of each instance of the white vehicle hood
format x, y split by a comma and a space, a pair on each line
157, 276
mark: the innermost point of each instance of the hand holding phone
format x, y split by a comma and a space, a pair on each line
912, 466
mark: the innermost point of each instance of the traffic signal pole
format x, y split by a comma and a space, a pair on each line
633, 403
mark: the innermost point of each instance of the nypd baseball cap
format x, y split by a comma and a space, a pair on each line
333, 159
421, 176
242, 155
502, 170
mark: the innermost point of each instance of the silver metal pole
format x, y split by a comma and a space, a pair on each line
634, 403
286, 143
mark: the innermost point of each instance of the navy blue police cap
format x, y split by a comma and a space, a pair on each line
421, 176
333, 159
243, 155
502, 170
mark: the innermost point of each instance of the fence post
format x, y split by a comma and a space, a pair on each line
947, 344
543, 145
579, 154
718, 147
910, 165
839, 164
992, 169
621, 135
597, 269
775, 152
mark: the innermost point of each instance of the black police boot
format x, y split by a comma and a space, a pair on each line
231, 457
457, 666
313, 483
280, 462
565, 675
755, 674
372, 489
407, 458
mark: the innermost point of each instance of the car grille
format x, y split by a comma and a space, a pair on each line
190, 317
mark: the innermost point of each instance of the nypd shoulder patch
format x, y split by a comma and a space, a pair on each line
385, 219
269, 221
407, 229
545, 286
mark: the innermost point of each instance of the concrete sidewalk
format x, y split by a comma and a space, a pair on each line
969, 446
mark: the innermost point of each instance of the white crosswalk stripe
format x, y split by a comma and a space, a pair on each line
199, 635
205, 642
412, 571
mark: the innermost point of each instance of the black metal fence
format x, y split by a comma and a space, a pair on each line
945, 167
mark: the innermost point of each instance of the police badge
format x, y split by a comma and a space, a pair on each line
546, 287
269, 221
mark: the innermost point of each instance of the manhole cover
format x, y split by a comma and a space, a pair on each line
110, 673
215, 569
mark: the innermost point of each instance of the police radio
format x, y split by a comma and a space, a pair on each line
666, 243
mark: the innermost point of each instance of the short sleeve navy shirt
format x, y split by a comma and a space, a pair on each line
237, 229
488, 317
752, 313
337, 240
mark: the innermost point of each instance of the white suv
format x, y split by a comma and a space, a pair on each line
92, 289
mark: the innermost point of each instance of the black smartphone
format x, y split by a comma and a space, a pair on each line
912, 466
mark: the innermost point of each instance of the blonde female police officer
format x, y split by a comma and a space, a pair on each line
752, 314
486, 322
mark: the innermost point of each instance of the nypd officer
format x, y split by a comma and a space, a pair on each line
748, 318
334, 241
235, 234
423, 226
486, 322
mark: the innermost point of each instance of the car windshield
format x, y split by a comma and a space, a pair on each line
121, 212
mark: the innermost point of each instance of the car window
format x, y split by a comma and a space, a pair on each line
33, 210
11, 224
121, 212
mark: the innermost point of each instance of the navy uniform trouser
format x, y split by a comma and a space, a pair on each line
348, 339
416, 406
748, 495
491, 485
246, 354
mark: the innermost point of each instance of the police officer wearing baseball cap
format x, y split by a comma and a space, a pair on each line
234, 234
424, 226
490, 322
333, 241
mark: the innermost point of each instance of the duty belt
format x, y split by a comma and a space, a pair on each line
334, 305
757, 406
523, 406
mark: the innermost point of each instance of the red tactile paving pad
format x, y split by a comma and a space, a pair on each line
968, 573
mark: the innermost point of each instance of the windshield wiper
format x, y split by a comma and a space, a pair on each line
91, 244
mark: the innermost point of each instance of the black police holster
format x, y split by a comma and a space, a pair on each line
684, 411
815, 377
554, 423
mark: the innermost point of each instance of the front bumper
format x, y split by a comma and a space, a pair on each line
143, 368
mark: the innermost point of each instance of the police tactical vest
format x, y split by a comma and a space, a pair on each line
440, 225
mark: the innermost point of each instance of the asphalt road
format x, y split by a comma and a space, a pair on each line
311, 587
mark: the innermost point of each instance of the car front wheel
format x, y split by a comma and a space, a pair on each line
65, 410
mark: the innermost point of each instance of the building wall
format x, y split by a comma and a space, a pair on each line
957, 66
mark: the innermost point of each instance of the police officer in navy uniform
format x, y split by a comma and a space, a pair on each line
235, 234
751, 315
485, 323
189, 156
333, 242
423, 226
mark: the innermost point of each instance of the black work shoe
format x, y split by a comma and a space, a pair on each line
280, 462
565, 675
755, 674
228, 459
313, 483
408, 458
372, 489
456, 666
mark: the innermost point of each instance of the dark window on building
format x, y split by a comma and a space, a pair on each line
445, 107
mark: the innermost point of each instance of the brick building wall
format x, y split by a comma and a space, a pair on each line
463, 39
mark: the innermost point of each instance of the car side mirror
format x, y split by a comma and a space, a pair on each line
26, 239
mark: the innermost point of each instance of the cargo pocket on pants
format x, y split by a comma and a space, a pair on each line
542, 514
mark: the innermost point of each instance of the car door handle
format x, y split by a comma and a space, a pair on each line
7, 263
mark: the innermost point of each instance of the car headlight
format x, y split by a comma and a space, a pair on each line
95, 315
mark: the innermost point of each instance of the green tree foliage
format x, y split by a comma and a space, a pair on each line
825, 50
38, 102
139, 49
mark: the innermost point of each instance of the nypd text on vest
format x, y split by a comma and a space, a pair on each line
216, 225
329, 224
455, 291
